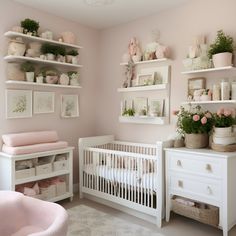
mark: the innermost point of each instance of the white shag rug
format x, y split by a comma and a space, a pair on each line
87, 221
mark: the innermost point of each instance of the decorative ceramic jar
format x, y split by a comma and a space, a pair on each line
196, 140
16, 47
64, 79
68, 37
216, 92
225, 90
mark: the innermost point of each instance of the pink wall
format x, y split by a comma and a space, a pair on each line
69, 129
178, 27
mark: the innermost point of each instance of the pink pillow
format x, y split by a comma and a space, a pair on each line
29, 138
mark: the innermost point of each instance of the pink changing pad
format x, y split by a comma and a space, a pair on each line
42, 147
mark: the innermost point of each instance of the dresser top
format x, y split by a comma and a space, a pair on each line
203, 151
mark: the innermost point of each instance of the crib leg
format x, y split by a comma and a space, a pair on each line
159, 222
71, 199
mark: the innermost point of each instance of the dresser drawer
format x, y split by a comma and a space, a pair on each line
203, 187
200, 165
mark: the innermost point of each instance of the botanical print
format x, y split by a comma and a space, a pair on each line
69, 106
140, 106
18, 103
156, 107
43, 102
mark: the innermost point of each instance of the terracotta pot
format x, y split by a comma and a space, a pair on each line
222, 59
196, 140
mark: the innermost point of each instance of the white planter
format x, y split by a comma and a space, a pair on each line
29, 76
222, 59
75, 60
224, 140
69, 58
50, 57
39, 79
222, 132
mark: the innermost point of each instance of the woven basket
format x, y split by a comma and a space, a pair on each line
208, 216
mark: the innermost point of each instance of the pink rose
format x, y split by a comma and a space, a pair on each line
175, 112
227, 112
204, 120
196, 117
220, 111
208, 115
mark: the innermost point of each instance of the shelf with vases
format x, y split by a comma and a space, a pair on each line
16, 82
209, 102
12, 34
143, 88
38, 60
146, 62
144, 120
209, 70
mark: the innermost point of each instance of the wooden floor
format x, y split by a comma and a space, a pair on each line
178, 225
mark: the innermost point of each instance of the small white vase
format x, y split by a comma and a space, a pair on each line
29, 76
39, 79
75, 60
222, 59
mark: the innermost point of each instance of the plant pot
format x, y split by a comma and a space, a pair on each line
39, 79
222, 131
222, 59
196, 140
51, 79
50, 57
224, 140
69, 58
75, 60
29, 76
64, 79
16, 47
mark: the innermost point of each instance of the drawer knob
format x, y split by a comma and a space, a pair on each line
209, 190
179, 163
208, 167
180, 183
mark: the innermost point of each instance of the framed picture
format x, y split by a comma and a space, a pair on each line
43, 102
196, 84
156, 107
18, 103
69, 106
141, 106
145, 79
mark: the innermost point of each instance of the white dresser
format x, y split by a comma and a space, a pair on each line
206, 176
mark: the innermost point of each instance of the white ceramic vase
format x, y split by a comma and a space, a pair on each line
16, 48
29, 76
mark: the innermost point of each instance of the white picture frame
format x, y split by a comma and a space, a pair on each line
43, 102
69, 106
18, 103
145, 79
141, 106
156, 107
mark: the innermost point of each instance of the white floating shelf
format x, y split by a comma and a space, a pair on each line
12, 34
210, 102
39, 177
38, 60
42, 85
146, 62
144, 120
209, 70
143, 88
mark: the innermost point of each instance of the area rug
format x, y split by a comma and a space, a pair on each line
87, 221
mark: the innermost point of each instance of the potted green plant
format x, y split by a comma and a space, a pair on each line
74, 78
195, 126
72, 56
221, 50
128, 112
30, 27
29, 69
49, 50
61, 53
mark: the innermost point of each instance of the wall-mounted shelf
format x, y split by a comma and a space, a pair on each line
210, 102
143, 120
209, 70
38, 60
12, 34
143, 88
41, 84
146, 62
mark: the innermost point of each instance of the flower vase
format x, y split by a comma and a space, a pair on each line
196, 140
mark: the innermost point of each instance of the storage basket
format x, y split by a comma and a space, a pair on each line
60, 165
44, 169
26, 173
61, 188
210, 215
48, 192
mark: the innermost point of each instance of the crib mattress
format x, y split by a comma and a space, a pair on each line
123, 176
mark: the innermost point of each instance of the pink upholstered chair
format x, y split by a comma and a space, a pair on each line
26, 216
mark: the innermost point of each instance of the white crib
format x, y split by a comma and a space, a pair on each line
123, 175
